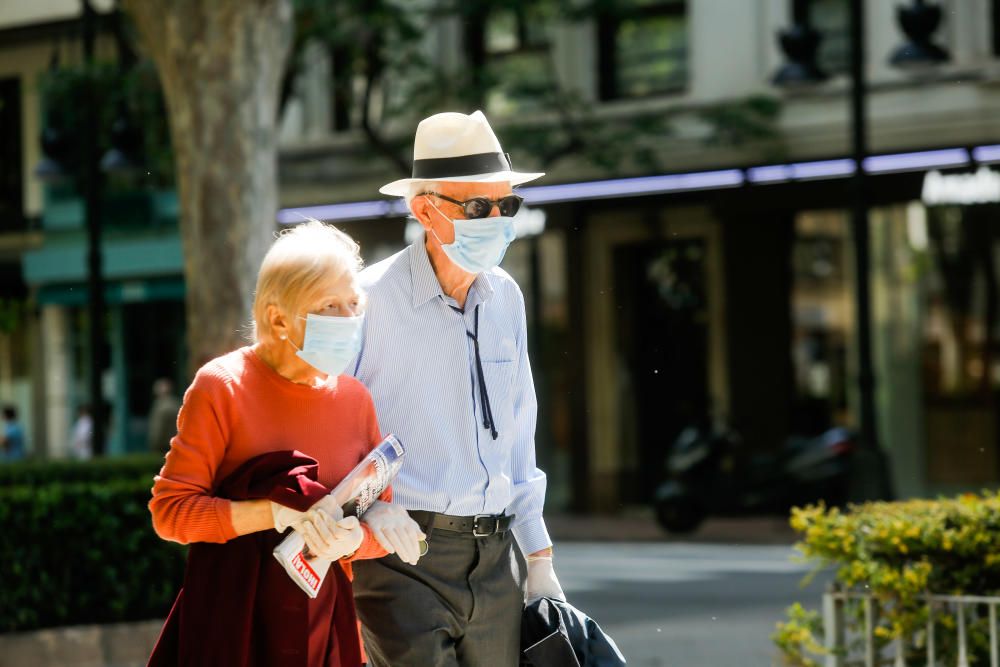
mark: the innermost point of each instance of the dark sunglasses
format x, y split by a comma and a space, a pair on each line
480, 207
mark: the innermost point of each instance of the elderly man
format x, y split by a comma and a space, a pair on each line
445, 358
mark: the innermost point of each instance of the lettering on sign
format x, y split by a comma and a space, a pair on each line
981, 187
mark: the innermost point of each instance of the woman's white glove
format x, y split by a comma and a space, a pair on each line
395, 530
330, 536
285, 517
542, 580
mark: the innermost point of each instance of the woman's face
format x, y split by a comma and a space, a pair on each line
338, 296
335, 296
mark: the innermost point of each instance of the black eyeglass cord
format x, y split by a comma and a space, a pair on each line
484, 397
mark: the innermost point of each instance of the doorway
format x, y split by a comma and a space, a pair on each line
662, 337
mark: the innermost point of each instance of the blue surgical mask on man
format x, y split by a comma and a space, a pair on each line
479, 244
330, 343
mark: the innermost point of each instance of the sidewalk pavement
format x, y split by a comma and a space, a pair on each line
642, 527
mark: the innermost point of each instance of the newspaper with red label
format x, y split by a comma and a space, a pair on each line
355, 494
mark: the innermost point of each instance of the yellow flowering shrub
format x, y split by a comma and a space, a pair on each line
899, 551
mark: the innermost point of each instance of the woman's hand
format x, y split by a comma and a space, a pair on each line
329, 537
284, 517
395, 530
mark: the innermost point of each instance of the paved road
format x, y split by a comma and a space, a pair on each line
686, 605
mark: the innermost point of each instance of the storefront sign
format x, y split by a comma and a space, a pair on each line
982, 187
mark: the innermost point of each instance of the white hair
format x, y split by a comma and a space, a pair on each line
295, 265
418, 188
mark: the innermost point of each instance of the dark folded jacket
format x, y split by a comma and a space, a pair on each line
556, 634
238, 606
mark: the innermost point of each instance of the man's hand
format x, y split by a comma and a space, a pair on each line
395, 530
542, 581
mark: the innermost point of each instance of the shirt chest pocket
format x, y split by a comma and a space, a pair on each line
499, 375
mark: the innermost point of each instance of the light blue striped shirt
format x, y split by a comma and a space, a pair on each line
418, 362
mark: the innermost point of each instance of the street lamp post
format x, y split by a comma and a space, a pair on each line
92, 206
64, 156
870, 477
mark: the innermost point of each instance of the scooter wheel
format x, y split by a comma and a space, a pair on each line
679, 514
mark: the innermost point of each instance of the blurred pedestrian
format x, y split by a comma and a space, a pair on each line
163, 416
12, 443
81, 444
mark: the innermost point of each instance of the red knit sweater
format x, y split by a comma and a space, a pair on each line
238, 407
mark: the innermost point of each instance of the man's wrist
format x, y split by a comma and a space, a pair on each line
541, 553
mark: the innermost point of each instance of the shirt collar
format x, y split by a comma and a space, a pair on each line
425, 282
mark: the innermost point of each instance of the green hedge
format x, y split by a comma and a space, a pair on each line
30, 473
900, 551
83, 552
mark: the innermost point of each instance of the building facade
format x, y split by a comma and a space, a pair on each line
694, 261
44, 358
721, 282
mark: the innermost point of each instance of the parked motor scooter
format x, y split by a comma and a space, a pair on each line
710, 474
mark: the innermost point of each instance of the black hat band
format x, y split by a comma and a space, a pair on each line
463, 165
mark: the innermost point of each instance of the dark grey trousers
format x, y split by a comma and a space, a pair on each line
460, 605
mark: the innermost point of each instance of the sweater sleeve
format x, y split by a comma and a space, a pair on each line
183, 507
370, 548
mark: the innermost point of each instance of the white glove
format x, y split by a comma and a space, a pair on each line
330, 506
330, 537
284, 516
395, 530
542, 580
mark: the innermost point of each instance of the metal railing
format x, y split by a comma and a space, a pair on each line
838, 631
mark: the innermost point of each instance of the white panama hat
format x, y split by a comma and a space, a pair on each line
457, 147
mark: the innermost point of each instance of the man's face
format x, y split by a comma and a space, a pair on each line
446, 211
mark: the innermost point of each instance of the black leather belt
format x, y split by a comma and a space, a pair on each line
480, 525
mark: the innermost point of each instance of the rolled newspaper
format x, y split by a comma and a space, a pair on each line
355, 494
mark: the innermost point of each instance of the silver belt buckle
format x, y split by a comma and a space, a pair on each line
475, 525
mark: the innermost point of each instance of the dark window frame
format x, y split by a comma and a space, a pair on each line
995, 21
12, 156
608, 25
476, 47
341, 88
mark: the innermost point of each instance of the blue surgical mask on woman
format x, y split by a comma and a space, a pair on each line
330, 343
479, 244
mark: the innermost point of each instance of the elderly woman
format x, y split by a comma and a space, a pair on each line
276, 420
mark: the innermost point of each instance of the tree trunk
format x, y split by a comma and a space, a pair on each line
220, 64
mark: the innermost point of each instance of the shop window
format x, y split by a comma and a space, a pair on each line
962, 328
822, 320
957, 250
643, 49
11, 184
